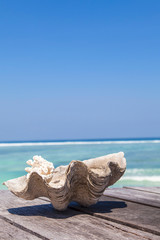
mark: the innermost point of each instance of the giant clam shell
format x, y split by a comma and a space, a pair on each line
81, 181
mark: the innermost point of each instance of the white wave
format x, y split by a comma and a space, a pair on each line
75, 143
137, 170
142, 178
142, 170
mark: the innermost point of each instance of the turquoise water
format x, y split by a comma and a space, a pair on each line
143, 158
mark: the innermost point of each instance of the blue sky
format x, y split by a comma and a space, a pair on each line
79, 69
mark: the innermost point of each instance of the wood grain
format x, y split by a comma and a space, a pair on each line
145, 198
42, 219
127, 213
8, 231
155, 190
102, 221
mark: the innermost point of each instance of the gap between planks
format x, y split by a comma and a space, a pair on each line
121, 223
103, 226
135, 196
23, 228
143, 189
111, 219
119, 227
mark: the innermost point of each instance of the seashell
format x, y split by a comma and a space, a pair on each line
81, 181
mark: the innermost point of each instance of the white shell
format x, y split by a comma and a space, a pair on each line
81, 181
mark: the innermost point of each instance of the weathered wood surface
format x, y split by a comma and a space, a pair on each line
143, 197
40, 220
155, 190
9, 231
127, 213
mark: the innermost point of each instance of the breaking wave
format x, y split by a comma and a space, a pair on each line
142, 178
75, 143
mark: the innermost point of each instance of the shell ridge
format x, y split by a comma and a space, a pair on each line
80, 181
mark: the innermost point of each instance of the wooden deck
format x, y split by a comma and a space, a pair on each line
121, 213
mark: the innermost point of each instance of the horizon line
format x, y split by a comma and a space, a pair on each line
81, 139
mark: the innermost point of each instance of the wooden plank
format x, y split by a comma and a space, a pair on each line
155, 190
147, 198
44, 220
8, 231
131, 214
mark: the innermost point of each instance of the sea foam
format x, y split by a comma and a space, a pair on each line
76, 143
141, 178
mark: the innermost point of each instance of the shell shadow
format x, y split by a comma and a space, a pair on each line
47, 210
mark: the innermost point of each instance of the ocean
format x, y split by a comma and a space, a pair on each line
142, 155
